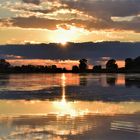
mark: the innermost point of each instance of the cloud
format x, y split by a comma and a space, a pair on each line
32, 1
104, 10
89, 14
52, 24
74, 51
35, 22
10, 56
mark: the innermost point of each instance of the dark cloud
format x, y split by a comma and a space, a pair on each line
32, 1
34, 22
43, 11
37, 2
51, 24
74, 51
102, 11
106, 8
134, 25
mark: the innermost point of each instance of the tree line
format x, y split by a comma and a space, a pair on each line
131, 66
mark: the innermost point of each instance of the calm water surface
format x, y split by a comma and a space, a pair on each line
70, 106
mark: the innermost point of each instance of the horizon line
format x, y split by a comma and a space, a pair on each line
69, 42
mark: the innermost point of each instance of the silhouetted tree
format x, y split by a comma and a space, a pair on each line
75, 69
64, 70
83, 65
137, 63
54, 67
129, 63
97, 68
132, 65
111, 66
4, 65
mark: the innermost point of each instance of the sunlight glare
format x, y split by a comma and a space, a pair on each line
63, 36
63, 42
64, 107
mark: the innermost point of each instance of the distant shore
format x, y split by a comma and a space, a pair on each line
131, 66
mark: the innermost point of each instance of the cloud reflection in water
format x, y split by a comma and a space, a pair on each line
62, 118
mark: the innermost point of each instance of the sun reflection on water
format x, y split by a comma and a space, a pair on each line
61, 105
62, 118
67, 108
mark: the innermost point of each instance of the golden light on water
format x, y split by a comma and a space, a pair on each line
75, 109
67, 108
61, 106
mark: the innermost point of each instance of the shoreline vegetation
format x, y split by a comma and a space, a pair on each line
131, 66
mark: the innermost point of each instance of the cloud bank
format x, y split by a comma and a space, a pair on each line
90, 14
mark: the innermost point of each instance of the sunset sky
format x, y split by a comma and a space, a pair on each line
38, 21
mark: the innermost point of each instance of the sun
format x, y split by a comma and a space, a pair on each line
63, 42
64, 36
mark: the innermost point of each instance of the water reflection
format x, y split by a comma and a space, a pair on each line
63, 106
88, 87
125, 126
4, 80
111, 80
83, 80
131, 81
73, 111
34, 82
79, 127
